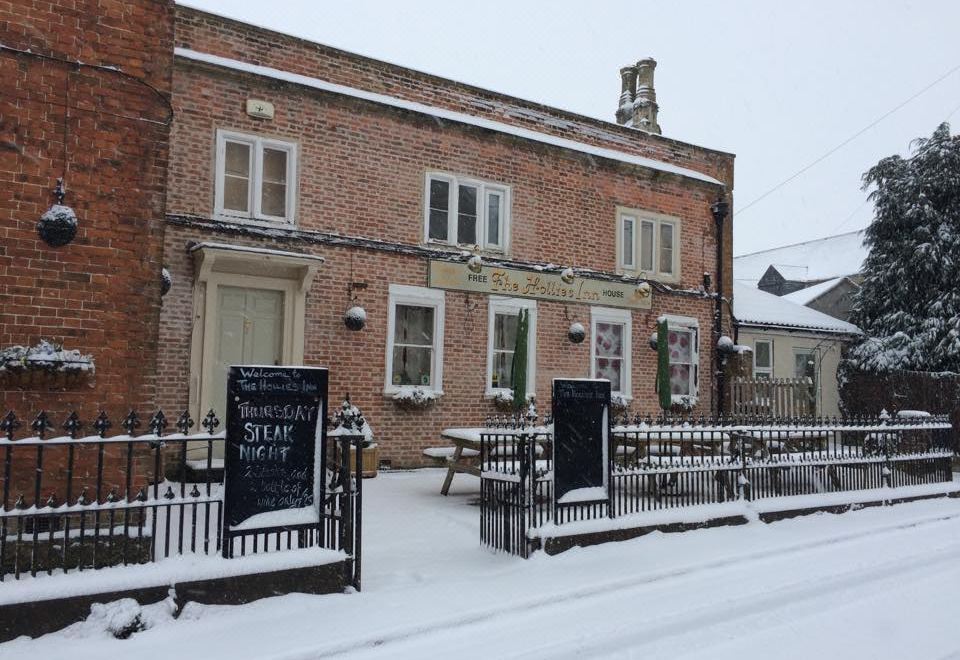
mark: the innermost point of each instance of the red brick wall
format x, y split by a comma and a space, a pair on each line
100, 294
361, 173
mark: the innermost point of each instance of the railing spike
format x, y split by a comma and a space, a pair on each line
210, 422
73, 425
9, 424
158, 423
41, 424
169, 495
102, 424
131, 422
184, 422
195, 492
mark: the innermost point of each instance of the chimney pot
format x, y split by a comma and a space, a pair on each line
628, 91
645, 108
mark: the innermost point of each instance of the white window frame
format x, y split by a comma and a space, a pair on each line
691, 324
483, 189
257, 144
418, 296
499, 305
624, 317
767, 371
639, 218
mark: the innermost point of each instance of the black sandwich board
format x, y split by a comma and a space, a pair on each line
275, 418
581, 413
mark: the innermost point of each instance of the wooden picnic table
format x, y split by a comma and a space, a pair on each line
465, 453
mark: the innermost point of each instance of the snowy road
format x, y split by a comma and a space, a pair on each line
878, 583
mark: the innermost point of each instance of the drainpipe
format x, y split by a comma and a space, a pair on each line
719, 209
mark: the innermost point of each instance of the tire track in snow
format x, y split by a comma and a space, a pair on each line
471, 618
746, 606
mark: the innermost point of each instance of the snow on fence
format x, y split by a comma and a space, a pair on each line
677, 464
775, 397
74, 502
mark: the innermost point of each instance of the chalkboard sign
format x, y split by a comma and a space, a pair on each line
275, 416
581, 410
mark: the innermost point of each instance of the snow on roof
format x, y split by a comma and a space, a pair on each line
751, 306
820, 259
811, 293
442, 113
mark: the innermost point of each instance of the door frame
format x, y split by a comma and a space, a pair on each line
217, 265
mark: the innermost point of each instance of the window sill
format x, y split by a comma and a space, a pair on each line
390, 392
257, 222
459, 249
650, 277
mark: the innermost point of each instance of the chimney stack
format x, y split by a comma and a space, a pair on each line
638, 99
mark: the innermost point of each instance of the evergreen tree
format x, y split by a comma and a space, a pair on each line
909, 305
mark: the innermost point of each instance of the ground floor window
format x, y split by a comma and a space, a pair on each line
414, 338
610, 354
763, 359
502, 340
683, 347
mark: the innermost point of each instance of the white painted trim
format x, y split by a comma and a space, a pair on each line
614, 315
424, 297
255, 214
498, 304
441, 113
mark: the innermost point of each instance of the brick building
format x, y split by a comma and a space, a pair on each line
305, 181
84, 95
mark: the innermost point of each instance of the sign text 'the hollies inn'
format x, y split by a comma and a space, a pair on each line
533, 284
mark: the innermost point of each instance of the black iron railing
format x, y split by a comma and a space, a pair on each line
75, 502
668, 463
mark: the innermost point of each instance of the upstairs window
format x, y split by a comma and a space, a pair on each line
649, 244
466, 212
256, 178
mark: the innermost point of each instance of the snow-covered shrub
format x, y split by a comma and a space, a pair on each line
350, 421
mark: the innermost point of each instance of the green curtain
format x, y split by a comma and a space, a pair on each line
663, 365
518, 368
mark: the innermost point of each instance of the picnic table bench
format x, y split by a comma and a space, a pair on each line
464, 456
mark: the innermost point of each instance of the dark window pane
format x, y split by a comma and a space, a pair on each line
438, 225
467, 215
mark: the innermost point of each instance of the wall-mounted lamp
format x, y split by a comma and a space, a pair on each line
58, 226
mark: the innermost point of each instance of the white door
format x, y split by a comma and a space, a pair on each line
249, 330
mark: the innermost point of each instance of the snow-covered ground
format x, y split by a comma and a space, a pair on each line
876, 583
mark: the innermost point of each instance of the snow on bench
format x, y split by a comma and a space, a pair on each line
446, 453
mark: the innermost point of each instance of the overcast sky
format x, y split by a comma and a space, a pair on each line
778, 84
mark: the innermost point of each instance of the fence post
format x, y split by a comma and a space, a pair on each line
524, 473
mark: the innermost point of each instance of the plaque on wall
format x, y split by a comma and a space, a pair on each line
581, 427
275, 436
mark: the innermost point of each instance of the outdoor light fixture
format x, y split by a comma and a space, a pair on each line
567, 275
475, 264
644, 289
355, 318
576, 333
166, 281
653, 341
58, 225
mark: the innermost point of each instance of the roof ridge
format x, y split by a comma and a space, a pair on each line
789, 245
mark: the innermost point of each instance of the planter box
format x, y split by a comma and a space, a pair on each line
370, 460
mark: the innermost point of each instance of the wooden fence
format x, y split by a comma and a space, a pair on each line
773, 397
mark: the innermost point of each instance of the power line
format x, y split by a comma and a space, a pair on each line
848, 140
